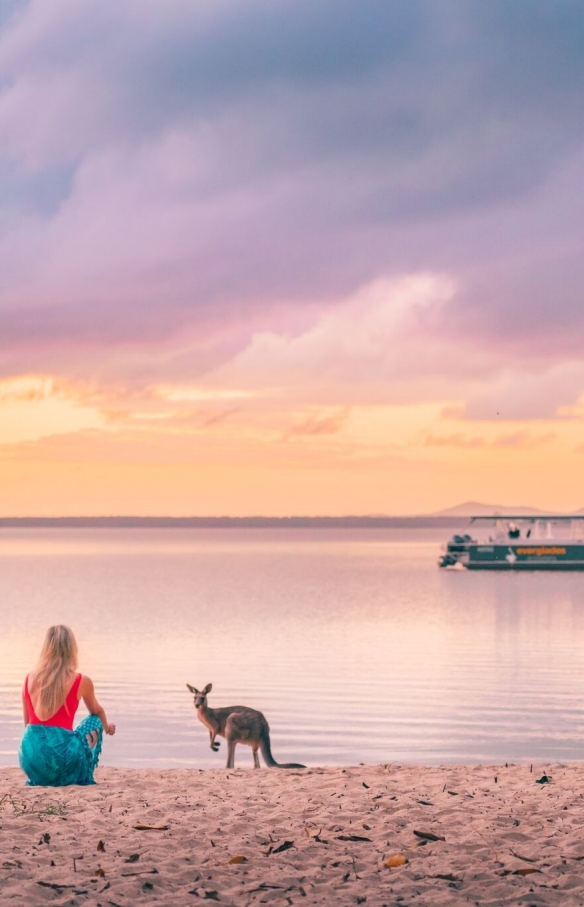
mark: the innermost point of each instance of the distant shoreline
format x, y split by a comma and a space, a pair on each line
136, 522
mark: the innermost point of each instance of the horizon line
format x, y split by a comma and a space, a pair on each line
250, 516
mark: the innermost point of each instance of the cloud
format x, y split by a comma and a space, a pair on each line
456, 440
26, 389
329, 205
365, 348
519, 440
377, 346
320, 423
527, 395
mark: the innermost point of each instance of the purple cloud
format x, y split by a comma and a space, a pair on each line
178, 179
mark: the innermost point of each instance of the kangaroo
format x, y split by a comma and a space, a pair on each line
238, 724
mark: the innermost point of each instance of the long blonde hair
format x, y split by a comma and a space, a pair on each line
52, 674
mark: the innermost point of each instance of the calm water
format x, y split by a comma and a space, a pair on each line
353, 643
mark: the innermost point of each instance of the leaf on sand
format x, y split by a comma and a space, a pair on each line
133, 858
545, 779
100, 872
100, 847
314, 835
447, 876
141, 827
285, 846
141, 872
524, 871
352, 838
428, 836
398, 859
366, 786
54, 885
238, 859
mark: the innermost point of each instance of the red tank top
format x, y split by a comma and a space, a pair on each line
64, 717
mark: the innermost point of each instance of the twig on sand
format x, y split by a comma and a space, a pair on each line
21, 808
56, 886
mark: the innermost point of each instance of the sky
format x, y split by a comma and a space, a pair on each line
290, 256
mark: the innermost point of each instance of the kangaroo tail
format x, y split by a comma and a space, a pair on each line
266, 751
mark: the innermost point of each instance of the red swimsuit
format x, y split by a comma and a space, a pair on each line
64, 717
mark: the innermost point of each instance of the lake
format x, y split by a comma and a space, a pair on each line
352, 642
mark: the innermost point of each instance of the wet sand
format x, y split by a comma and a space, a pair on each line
480, 835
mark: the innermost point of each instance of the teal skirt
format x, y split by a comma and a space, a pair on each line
55, 757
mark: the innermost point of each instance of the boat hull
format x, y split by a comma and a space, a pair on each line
525, 557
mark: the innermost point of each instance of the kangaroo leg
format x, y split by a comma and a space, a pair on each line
214, 743
256, 759
231, 744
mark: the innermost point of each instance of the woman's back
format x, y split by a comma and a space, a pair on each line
64, 716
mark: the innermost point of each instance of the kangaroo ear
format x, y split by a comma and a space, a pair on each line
207, 689
192, 689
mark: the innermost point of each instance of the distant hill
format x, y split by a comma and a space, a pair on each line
475, 508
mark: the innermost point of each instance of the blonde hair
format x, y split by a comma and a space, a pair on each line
52, 674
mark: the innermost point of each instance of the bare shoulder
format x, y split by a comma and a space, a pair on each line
86, 685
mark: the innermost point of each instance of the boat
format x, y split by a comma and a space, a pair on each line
517, 543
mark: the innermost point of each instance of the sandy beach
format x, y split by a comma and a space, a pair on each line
484, 835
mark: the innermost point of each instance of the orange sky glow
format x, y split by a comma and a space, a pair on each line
219, 451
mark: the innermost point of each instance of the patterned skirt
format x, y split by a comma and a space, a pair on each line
55, 757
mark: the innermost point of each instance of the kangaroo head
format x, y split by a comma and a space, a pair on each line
200, 697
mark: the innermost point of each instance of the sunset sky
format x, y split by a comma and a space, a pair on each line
290, 256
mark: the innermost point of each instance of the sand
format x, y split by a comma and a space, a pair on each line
319, 836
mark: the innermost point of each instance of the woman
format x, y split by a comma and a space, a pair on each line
51, 752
